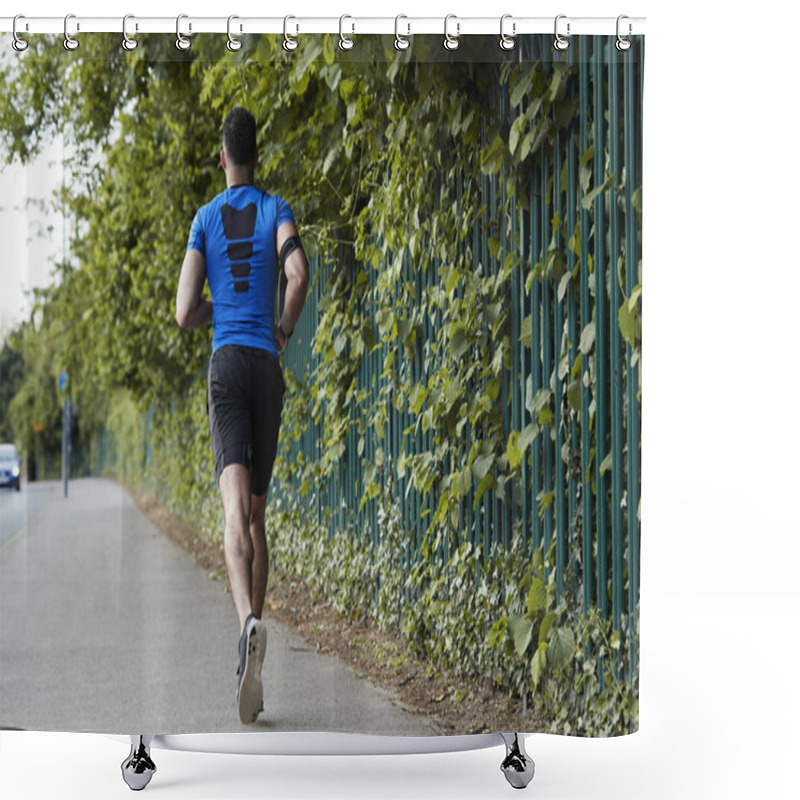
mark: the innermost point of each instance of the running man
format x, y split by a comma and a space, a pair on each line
239, 242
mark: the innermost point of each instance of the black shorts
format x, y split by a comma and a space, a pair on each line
244, 403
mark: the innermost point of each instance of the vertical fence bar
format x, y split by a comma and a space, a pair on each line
615, 343
601, 325
511, 376
586, 319
547, 351
572, 313
630, 69
491, 271
561, 532
479, 387
486, 500
536, 347
524, 374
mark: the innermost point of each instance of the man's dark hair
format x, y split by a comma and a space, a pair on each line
239, 137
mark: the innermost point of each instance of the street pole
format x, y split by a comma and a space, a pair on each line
64, 447
62, 378
66, 429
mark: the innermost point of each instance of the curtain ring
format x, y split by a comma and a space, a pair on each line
401, 42
345, 42
128, 42
233, 44
451, 42
507, 42
561, 43
622, 43
182, 43
290, 44
70, 43
18, 43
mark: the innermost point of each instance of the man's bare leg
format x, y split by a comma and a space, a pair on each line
240, 557
258, 537
234, 486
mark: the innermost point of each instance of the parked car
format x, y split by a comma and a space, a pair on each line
9, 466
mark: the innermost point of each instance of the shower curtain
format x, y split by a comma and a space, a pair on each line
453, 520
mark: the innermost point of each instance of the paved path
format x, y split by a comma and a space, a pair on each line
106, 626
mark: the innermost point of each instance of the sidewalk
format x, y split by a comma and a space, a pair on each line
106, 626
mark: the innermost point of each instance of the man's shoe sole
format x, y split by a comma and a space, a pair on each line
261, 638
249, 697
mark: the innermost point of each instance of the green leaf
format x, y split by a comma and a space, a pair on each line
545, 501
521, 630
636, 199
538, 664
497, 632
538, 561
527, 435
464, 482
627, 324
544, 132
558, 76
368, 337
517, 127
333, 153
560, 647
521, 88
587, 339
459, 341
527, 144
605, 466
404, 328
541, 406
481, 466
544, 627
329, 50
399, 132
417, 398
512, 450
563, 285
525, 332
483, 487
576, 368
591, 196
537, 596
574, 394
493, 312
492, 156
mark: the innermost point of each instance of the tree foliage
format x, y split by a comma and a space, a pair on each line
12, 374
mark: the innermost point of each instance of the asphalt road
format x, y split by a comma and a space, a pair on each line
16, 508
107, 627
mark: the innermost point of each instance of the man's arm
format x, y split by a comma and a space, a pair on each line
191, 310
296, 270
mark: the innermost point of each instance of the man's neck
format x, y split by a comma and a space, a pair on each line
234, 179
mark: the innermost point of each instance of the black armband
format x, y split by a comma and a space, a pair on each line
289, 246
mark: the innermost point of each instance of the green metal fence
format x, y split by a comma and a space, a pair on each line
579, 488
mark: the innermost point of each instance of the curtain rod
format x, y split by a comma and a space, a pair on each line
347, 25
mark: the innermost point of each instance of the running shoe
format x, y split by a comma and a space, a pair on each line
261, 639
249, 693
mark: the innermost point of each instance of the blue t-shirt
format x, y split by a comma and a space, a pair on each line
236, 233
